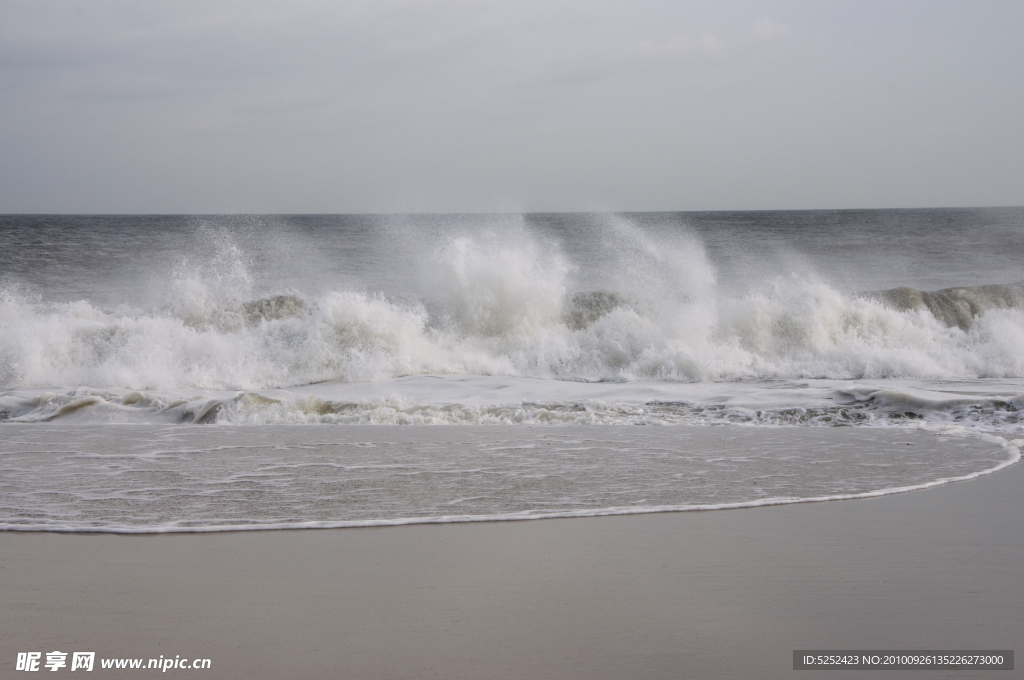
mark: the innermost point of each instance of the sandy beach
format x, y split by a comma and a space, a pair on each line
722, 594
510, 340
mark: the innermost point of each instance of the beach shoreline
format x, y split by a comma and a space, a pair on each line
726, 593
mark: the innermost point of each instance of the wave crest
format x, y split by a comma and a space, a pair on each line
955, 306
513, 306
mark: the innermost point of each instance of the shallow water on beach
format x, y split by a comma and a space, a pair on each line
138, 478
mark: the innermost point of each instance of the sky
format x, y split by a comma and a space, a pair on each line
395, 106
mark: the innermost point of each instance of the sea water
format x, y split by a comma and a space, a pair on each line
206, 373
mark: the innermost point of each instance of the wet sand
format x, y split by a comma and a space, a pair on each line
722, 594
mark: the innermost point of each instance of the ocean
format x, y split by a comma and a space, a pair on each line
218, 373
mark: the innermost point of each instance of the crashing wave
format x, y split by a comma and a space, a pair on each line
954, 306
514, 309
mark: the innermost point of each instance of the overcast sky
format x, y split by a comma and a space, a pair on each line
553, 105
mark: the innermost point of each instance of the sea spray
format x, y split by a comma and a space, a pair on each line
505, 308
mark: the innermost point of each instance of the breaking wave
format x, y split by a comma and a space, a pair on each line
512, 307
955, 306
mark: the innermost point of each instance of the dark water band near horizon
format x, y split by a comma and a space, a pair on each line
886, 324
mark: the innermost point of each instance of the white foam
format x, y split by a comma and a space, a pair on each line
502, 307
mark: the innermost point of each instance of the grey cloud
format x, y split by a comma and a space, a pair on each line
456, 105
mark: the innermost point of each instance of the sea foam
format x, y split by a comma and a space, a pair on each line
511, 306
